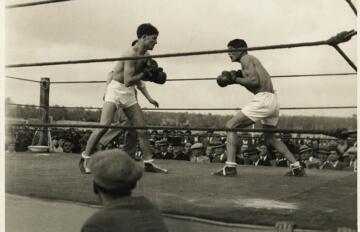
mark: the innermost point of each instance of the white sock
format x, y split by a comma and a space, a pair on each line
230, 164
148, 161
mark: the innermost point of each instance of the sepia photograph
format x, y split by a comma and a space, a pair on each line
192, 115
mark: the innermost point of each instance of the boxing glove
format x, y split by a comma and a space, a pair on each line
225, 79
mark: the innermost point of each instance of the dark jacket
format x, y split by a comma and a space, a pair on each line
126, 214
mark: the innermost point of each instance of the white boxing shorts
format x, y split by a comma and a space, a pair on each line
120, 95
263, 107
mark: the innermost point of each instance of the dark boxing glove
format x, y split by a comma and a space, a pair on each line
154, 73
225, 79
237, 73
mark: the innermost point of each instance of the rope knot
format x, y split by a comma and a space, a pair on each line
341, 37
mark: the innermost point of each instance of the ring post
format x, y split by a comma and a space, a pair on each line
44, 109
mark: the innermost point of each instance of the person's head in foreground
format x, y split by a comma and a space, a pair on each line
115, 174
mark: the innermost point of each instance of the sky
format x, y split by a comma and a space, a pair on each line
87, 29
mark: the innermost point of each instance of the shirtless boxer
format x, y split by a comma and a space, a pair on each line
120, 93
264, 107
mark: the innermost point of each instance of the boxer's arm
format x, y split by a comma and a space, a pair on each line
251, 74
145, 92
130, 78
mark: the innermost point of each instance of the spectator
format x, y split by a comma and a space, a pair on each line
219, 155
163, 150
67, 148
333, 162
178, 154
115, 176
55, 145
351, 154
188, 138
240, 155
306, 155
323, 153
197, 154
287, 139
279, 161
264, 158
209, 152
187, 149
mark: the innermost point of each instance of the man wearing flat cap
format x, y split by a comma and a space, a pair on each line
115, 176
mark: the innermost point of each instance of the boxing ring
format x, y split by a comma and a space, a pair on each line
189, 197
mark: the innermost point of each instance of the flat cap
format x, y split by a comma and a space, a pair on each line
197, 146
115, 170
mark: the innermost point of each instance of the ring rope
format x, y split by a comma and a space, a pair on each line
34, 3
193, 135
352, 6
339, 38
332, 132
21, 79
214, 78
160, 109
348, 60
192, 79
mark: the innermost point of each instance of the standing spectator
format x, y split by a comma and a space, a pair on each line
197, 154
115, 176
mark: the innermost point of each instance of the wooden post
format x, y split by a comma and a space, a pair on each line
44, 109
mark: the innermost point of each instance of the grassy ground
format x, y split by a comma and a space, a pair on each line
259, 195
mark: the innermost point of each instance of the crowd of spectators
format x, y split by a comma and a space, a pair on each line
209, 147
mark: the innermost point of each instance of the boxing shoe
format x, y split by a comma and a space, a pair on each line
149, 166
225, 171
84, 164
296, 169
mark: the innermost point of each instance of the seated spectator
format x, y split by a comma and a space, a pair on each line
351, 155
240, 155
323, 154
264, 158
279, 161
251, 155
178, 153
197, 154
209, 152
154, 135
307, 157
188, 138
187, 149
55, 146
219, 155
115, 176
67, 148
333, 162
163, 150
